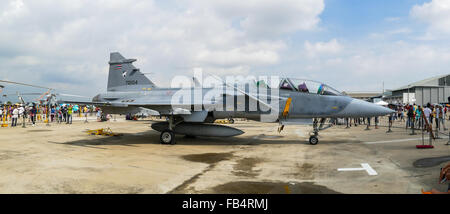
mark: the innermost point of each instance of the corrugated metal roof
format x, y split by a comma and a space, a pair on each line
426, 82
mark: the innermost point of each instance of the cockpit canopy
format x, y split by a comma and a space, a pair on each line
308, 86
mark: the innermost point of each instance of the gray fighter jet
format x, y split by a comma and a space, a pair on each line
191, 110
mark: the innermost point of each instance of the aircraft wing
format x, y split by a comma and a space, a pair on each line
161, 108
163, 104
85, 103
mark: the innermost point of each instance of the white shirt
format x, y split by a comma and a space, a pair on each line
21, 110
15, 113
427, 112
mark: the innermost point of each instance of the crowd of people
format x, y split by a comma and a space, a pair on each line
432, 114
35, 112
411, 114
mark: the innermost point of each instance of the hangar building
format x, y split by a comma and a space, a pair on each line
432, 90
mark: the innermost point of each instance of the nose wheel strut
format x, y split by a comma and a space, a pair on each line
313, 139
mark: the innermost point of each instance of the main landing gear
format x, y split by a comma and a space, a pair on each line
313, 140
168, 136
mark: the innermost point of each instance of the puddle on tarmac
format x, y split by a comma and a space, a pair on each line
263, 136
244, 167
249, 187
430, 162
209, 158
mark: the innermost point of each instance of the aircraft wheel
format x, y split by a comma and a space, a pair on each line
231, 120
167, 137
313, 140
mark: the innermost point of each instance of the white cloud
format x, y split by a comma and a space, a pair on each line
70, 41
14, 8
322, 48
365, 67
435, 13
266, 17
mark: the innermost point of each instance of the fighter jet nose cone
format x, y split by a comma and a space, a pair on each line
390, 111
360, 108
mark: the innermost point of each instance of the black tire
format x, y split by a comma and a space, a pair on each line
313, 140
167, 137
231, 120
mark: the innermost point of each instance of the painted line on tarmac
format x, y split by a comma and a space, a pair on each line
395, 141
365, 167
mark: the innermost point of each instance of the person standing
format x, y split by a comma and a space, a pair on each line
52, 113
410, 115
99, 115
427, 113
437, 116
64, 113
33, 114
22, 113
15, 115
445, 113
432, 115
418, 114
58, 114
442, 117
391, 118
69, 114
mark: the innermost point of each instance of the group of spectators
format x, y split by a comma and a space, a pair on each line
412, 114
19, 111
61, 114
56, 113
418, 116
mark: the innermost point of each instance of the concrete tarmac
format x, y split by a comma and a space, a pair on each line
62, 158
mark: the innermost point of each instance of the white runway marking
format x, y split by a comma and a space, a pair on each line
395, 141
365, 166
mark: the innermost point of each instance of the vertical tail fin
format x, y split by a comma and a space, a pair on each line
123, 76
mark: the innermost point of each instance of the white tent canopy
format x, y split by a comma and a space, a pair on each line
382, 103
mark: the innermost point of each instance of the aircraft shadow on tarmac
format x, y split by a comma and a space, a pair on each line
152, 137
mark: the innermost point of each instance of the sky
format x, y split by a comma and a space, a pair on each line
352, 45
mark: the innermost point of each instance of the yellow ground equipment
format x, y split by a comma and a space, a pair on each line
104, 132
4, 124
225, 121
